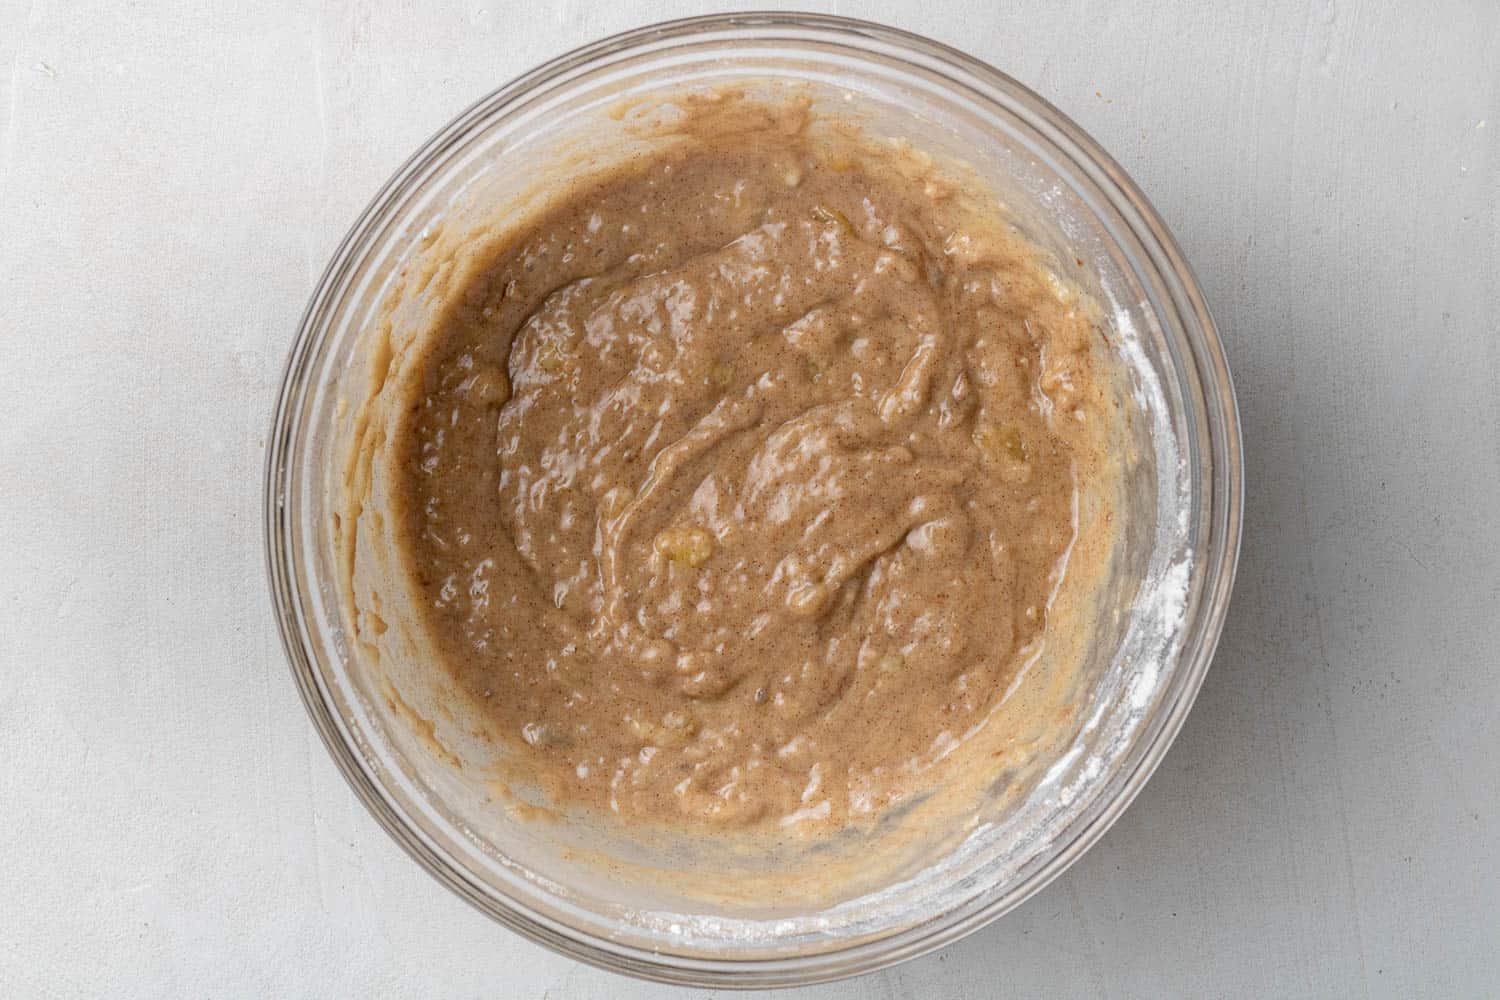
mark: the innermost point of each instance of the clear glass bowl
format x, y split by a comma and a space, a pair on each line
1180, 547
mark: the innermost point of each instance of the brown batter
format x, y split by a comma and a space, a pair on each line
735, 486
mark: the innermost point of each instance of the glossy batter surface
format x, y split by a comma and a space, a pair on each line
734, 487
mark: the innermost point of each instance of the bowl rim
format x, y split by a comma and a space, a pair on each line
1205, 359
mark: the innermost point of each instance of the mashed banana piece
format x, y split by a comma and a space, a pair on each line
735, 487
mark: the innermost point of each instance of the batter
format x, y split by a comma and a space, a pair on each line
734, 487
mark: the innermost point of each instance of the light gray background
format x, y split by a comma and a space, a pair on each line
173, 177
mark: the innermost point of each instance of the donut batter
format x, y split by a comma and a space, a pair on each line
734, 487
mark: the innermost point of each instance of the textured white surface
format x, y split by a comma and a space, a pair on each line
173, 176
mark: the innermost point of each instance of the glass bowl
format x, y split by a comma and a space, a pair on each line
1179, 550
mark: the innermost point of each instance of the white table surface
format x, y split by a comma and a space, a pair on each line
174, 175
